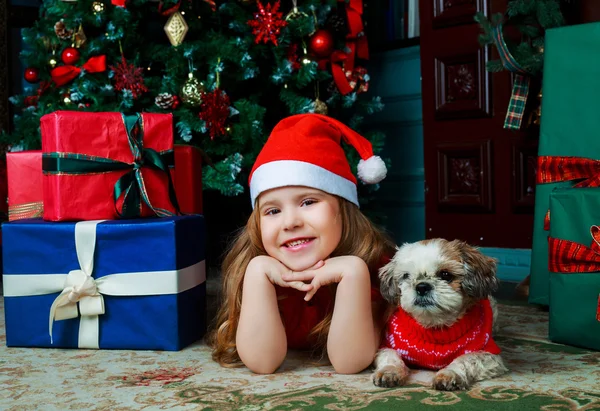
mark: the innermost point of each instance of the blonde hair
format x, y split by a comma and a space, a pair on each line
360, 237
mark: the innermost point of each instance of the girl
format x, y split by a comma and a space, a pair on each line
303, 272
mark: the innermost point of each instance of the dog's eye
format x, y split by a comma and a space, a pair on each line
446, 275
405, 276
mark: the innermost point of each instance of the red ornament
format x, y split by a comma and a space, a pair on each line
32, 75
215, 112
321, 44
267, 23
129, 77
70, 55
176, 102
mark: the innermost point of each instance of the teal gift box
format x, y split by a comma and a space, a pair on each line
574, 264
570, 127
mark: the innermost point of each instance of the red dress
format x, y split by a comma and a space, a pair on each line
300, 317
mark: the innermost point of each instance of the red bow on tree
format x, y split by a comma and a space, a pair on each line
356, 40
65, 74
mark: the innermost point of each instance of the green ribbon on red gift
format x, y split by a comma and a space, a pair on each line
520, 91
130, 186
554, 169
570, 257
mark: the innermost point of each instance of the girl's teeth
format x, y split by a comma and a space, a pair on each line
295, 243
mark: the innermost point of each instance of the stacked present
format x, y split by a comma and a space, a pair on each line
565, 269
117, 261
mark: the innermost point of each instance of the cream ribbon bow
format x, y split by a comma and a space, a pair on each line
79, 285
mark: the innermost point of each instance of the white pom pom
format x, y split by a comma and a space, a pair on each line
372, 170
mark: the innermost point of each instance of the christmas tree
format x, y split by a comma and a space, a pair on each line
228, 71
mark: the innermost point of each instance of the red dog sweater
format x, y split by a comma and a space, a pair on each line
435, 348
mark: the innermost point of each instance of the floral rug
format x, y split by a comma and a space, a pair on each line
542, 376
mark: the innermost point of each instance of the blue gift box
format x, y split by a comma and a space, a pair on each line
149, 277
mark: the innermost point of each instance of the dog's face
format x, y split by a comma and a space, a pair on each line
437, 280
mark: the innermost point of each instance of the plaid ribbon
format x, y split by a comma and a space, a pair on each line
26, 210
520, 91
571, 257
554, 169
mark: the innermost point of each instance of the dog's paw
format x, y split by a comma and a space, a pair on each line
390, 376
446, 380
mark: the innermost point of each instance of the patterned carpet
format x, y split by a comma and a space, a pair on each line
543, 376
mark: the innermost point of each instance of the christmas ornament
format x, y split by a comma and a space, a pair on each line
267, 23
62, 75
166, 101
118, 3
61, 30
320, 107
358, 77
176, 28
32, 75
80, 37
129, 77
97, 7
295, 13
215, 111
70, 55
192, 90
321, 44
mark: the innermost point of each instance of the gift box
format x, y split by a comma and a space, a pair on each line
574, 264
107, 165
569, 133
25, 197
119, 284
24, 170
188, 178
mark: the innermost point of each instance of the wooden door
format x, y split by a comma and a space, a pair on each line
479, 177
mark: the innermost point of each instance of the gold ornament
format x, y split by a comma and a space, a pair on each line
176, 28
192, 90
80, 38
97, 7
320, 107
295, 14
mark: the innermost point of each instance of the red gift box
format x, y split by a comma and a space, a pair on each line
106, 165
25, 197
188, 178
24, 174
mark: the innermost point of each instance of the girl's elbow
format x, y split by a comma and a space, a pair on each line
351, 365
263, 365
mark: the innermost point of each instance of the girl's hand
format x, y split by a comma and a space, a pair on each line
275, 271
332, 271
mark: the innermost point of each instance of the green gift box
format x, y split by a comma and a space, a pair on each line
570, 126
574, 262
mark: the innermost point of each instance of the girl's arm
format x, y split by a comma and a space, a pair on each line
353, 339
260, 339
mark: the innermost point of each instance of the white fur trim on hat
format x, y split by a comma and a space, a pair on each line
284, 173
372, 170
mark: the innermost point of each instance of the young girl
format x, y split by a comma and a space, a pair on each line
303, 272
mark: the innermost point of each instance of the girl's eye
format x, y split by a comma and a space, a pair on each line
272, 211
308, 201
446, 275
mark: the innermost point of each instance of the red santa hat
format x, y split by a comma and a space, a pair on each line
305, 150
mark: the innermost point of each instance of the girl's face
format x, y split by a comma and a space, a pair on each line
299, 225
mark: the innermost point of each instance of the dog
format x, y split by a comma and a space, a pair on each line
443, 316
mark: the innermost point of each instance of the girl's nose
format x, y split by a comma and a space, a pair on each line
292, 220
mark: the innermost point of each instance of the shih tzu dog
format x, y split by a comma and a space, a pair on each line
443, 318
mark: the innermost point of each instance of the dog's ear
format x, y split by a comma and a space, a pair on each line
480, 278
389, 284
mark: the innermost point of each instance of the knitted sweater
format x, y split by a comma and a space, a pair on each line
435, 348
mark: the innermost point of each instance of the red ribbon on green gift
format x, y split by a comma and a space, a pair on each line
571, 257
554, 169
64, 74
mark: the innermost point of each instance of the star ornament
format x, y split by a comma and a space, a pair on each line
267, 23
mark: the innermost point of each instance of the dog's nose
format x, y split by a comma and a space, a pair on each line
423, 288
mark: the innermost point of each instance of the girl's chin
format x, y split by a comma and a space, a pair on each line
299, 265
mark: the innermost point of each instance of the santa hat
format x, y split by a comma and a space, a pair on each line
305, 150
